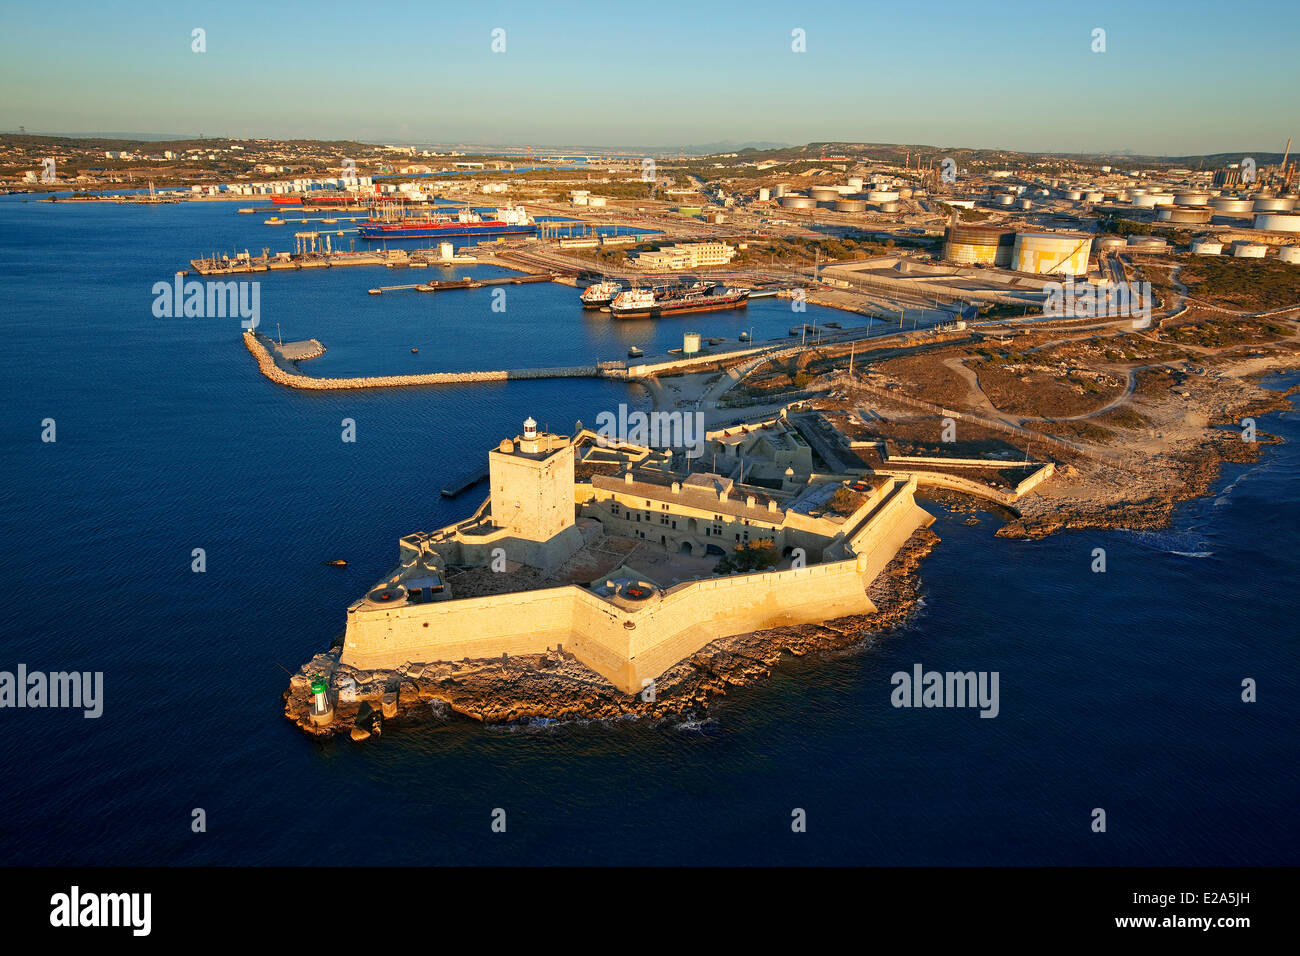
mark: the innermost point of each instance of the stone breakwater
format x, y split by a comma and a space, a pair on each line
555, 686
266, 363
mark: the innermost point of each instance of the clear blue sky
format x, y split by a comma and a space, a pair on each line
1176, 78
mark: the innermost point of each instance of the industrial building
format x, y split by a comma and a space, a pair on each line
684, 255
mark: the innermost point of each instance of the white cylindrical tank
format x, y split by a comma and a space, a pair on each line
1184, 214
1094, 196
1003, 199
764, 194
1274, 204
1206, 247
882, 195
1289, 254
855, 183
1231, 206
446, 250
1148, 243
781, 190
1191, 198
1248, 250
1161, 199
691, 343
1050, 253
1024, 204
1277, 222
824, 193
887, 206
1074, 195
1144, 200
798, 202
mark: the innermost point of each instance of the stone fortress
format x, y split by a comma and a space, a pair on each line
606, 551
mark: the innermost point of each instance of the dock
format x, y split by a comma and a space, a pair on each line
455, 487
443, 285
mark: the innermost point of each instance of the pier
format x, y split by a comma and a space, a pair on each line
260, 347
445, 284
456, 486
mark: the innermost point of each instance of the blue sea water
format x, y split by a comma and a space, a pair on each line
1119, 690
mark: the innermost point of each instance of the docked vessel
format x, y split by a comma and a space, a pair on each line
505, 222
653, 303
332, 199
600, 294
286, 200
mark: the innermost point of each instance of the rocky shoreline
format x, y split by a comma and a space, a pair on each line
556, 687
1187, 474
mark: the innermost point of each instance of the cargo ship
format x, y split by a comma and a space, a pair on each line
600, 294
505, 222
653, 303
333, 199
286, 200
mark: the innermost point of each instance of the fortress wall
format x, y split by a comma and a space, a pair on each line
665, 631
1036, 479
600, 640
704, 611
894, 522
473, 627
938, 479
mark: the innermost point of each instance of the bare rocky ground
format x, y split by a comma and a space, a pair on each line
1194, 427
557, 687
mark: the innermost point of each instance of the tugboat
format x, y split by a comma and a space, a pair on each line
634, 352
600, 294
415, 351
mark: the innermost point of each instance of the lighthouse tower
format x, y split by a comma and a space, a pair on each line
532, 490
322, 708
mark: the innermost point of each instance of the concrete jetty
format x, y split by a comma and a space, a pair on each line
261, 347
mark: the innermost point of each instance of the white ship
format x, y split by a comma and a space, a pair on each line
600, 294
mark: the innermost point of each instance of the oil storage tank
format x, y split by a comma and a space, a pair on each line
1184, 214
1231, 206
1052, 253
1277, 222
979, 245
1274, 204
